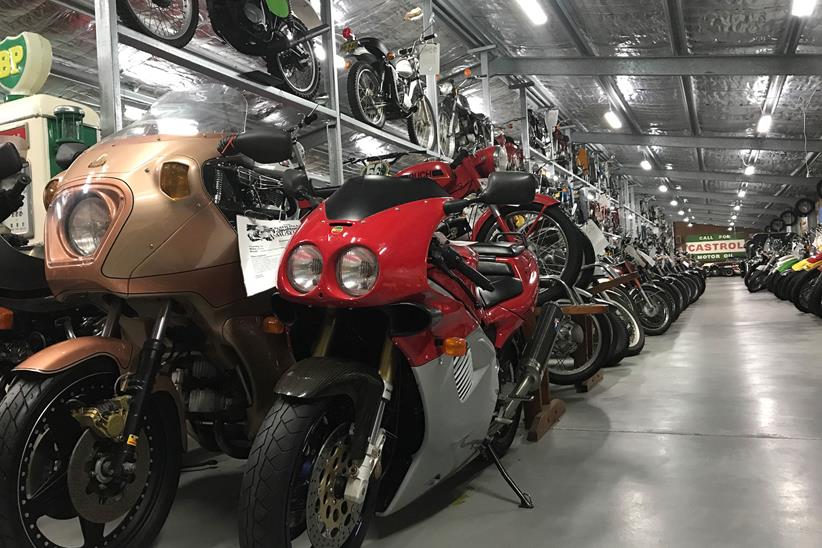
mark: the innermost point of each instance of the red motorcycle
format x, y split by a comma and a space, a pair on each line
413, 361
551, 235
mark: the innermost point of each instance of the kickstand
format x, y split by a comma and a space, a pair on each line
525, 500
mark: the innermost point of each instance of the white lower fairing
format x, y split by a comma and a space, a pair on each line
453, 427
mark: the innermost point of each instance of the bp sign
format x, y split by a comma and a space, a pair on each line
714, 247
25, 63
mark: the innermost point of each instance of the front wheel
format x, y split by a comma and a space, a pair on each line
552, 237
365, 96
293, 480
422, 128
56, 484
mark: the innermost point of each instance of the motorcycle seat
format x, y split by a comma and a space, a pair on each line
21, 276
494, 268
505, 287
497, 249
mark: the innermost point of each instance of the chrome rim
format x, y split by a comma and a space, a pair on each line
369, 97
167, 19
423, 120
562, 360
299, 64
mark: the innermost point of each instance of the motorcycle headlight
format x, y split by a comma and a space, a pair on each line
500, 158
87, 225
305, 264
357, 271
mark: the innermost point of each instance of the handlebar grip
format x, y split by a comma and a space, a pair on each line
429, 37
21, 184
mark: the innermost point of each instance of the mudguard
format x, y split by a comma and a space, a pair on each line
302, 10
64, 355
314, 378
541, 199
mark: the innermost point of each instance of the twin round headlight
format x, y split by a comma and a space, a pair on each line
87, 224
356, 269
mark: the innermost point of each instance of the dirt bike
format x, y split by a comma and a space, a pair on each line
280, 31
94, 427
419, 363
384, 85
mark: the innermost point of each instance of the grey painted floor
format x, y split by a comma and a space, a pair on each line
711, 438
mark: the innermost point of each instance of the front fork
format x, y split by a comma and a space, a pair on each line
138, 387
371, 463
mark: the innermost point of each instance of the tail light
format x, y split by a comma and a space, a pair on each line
347, 33
6, 319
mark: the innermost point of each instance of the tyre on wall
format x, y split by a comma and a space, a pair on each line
804, 207
788, 217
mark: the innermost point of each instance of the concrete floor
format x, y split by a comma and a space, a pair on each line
711, 438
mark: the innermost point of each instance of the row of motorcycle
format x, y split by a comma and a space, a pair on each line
413, 317
788, 265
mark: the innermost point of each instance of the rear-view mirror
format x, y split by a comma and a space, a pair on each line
510, 187
267, 146
10, 161
67, 153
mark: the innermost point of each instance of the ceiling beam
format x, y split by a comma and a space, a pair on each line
725, 209
749, 197
674, 174
677, 65
761, 143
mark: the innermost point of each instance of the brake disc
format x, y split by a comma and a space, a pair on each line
93, 490
330, 518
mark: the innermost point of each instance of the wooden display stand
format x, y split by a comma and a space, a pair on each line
610, 284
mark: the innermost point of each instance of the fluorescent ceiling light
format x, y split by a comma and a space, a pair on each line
534, 11
736, 207
730, 228
764, 124
645, 164
669, 166
613, 120
690, 224
663, 187
749, 170
802, 8
734, 216
680, 212
674, 202
687, 219
742, 192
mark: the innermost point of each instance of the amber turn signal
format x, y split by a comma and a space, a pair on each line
6, 319
454, 346
273, 325
467, 72
50, 191
174, 180
390, 55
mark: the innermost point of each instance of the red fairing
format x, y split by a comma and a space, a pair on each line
398, 236
541, 199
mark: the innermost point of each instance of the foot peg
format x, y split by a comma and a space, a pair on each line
525, 500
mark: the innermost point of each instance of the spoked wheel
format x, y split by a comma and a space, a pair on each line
551, 236
574, 357
636, 333
804, 290
422, 128
297, 67
365, 95
56, 485
171, 21
655, 314
295, 480
448, 134
757, 281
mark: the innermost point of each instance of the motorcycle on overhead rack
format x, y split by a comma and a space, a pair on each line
460, 127
419, 364
144, 226
279, 31
384, 85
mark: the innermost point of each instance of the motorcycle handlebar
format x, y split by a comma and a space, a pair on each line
475, 276
429, 37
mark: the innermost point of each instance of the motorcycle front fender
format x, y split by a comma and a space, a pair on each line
302, 10
66, 355
322, 378
541, 199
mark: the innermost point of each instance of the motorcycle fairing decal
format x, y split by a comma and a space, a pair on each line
453, 428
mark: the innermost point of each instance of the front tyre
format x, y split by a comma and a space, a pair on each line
54, 473
171, 21
298, 67
293, 477
365, 95
422, 128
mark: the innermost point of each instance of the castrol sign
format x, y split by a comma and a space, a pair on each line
715, 246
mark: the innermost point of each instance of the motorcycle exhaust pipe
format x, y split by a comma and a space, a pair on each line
534, 359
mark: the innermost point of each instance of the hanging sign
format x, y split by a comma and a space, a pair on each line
25, 63
715, 246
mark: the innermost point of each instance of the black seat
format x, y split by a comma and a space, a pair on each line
505, 287
21, 276
497, 249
